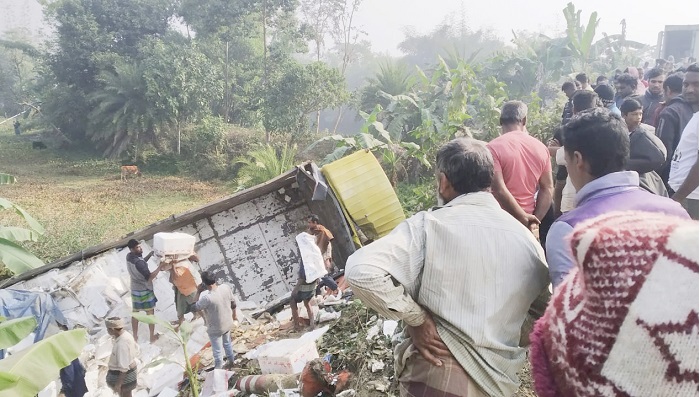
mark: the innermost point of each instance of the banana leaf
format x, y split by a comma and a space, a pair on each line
29, 371
16, 258
13, 331
33, 223
14, 233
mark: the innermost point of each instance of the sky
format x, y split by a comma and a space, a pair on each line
385, 20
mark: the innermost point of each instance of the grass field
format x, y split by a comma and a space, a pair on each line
80, 199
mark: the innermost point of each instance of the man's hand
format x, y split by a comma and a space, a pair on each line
678, 198
528, 220
429, 344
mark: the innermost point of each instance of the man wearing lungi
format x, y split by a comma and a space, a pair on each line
142, 296
121, 373
461, 277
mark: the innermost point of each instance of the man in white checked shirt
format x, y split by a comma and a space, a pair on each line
462, 277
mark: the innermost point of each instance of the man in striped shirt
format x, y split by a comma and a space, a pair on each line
462, 278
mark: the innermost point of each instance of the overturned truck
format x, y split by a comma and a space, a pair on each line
246, 239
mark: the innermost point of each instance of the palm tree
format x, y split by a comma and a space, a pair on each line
392, 78
122, 115
265, 163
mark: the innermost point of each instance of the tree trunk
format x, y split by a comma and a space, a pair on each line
178, 138
337, 120
264, 27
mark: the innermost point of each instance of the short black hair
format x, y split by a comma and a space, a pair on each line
314, 218
584, 99
605, 92
674, 82
601, 78
467, 163
569, 85
602, 139
132, 243
208, 278
692, 68
629, 105
582, 78
627, 79
656, 72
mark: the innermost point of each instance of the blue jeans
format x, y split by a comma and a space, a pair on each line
216, 343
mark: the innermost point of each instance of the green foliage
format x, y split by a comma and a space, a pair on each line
31, 370
392, 78
13, 331
182, 336
580, 37
416, 197
299, 91
13, 256
18, 73
264, 163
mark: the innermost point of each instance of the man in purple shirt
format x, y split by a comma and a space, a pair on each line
597, 147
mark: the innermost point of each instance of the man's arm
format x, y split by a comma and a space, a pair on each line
384, 275
689, 184
507, 201
559, 254
544, 195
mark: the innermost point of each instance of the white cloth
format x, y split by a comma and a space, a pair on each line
568, 195
685, 157
124, 353
474, 267
311, 257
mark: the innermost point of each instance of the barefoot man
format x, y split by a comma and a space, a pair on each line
142, 296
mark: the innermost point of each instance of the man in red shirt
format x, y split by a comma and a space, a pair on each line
522, 168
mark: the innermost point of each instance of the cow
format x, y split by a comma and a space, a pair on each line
129, 170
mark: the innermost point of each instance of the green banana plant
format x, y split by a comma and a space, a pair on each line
182, 335
13, 331
28, 372
580, 38
12, 255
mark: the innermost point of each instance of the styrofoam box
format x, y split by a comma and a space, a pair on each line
287, 356
173, 244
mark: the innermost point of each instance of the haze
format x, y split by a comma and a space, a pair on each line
386, 20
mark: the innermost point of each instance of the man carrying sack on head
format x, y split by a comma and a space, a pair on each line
121, 374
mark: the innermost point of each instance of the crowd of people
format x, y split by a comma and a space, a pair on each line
601, 253
598, 256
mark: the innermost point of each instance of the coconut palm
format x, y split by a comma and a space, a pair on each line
392, 78
122, 115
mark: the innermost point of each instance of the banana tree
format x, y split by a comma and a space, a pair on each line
29, 371
580, 37
182, 336
12, 255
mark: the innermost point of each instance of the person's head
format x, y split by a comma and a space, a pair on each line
656, 79
596, 143
513, 116
463, 165
208, 279
640, 73
584, 99
134, 247
314, 222
625, 85
583, 79
632, 71
569, 88
673, 86
606, 94
690, 85
631, 110
115, 326
601, 80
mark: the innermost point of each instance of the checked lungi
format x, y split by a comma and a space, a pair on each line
143, 300
130, 380
419, 378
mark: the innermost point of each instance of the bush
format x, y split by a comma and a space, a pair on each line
417, 197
